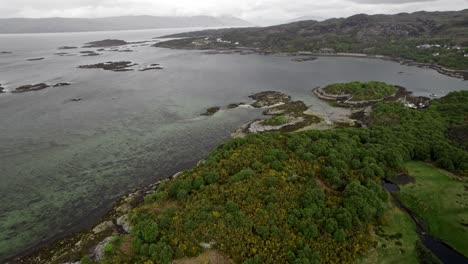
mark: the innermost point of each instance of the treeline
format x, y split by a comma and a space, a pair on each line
308, 197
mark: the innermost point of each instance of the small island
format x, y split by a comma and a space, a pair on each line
356, 93
67, 47
118, 66
105, 43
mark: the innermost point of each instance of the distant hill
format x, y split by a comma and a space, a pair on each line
57, 24
392, 35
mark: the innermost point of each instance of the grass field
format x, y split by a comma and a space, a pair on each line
441, 200
396, 239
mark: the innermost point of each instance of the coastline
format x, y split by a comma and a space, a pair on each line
460, 74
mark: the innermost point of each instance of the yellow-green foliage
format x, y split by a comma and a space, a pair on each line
304, 197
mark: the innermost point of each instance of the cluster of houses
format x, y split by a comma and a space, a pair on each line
220, 40
428, 46
207, 40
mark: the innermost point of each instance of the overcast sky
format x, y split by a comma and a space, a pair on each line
260, 12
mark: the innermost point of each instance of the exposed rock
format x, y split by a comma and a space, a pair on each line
61, 84
207, 245
124, 223
154, 66
77, 99
105, 43
31, 87
89, 53
259, 126
111, 66
104, 226
35, 59
304, 59
98, 253
67, 47
211, 111
63, 54
235, 105
2, 90
295, 107
6, 52
269, 98
123, 50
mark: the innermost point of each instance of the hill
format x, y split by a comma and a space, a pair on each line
399, 36
57, 24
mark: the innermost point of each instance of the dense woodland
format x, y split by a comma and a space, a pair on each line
306, 197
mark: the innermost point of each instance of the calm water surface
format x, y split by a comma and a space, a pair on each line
63, 163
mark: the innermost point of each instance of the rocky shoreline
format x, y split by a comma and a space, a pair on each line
345, 100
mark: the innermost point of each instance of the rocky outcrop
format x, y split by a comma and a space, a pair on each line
99, 250
154, 66
105, 43
211, 111
61, 84
35, 59
118, 66
37, 87
67, 47
269, 98
345, 99
303, 59
89, 53
31, 87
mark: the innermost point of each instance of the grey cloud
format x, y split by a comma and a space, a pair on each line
390, 1
261, 12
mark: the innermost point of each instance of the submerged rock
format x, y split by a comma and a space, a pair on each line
89, 53
234, 105
303, 59
105, 43
61, 84
63, 54
5, 52
152, 67
211, 111
67, 47
35, 59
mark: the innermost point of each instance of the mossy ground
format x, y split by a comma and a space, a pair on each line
441, 200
